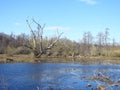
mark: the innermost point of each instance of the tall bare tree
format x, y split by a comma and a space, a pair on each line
100, 42
113, 42
36, 40
106, 38
87, 43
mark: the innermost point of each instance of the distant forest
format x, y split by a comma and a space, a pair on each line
98, 45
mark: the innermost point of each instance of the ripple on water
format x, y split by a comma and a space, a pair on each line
48, 76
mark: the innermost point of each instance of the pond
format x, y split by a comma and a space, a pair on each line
55, 76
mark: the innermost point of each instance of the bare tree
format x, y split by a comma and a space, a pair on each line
87, 43
84, 44
106, 38
100, 42
113, 43
36, 40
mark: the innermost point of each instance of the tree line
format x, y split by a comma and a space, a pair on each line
98, 45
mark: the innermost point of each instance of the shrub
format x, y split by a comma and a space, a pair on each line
116, 53
22, 50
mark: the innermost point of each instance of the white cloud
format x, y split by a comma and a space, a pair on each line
17, 24
91, 2
57, 28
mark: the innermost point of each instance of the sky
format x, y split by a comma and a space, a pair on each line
72, 17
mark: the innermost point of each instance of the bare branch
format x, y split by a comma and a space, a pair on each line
36, 23
50, 46
33, 33
31, 29
37, 42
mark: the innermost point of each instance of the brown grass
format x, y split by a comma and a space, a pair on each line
84, 60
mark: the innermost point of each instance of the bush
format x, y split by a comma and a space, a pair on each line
116, 53
9, 51
22, 50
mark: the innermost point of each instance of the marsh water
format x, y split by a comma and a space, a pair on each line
55, 76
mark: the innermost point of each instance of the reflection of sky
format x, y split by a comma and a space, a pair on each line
48, 75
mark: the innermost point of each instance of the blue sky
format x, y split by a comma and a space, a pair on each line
72, 17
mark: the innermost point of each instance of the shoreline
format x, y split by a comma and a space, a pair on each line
84, 60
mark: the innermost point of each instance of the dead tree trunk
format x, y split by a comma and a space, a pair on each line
36, 40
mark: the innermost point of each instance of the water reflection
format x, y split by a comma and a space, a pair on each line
49, 76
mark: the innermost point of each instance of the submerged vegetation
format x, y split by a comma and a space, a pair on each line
100, 46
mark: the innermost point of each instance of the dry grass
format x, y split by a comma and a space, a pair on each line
84, 60
16, 58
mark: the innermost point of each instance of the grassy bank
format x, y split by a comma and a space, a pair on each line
84, 60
